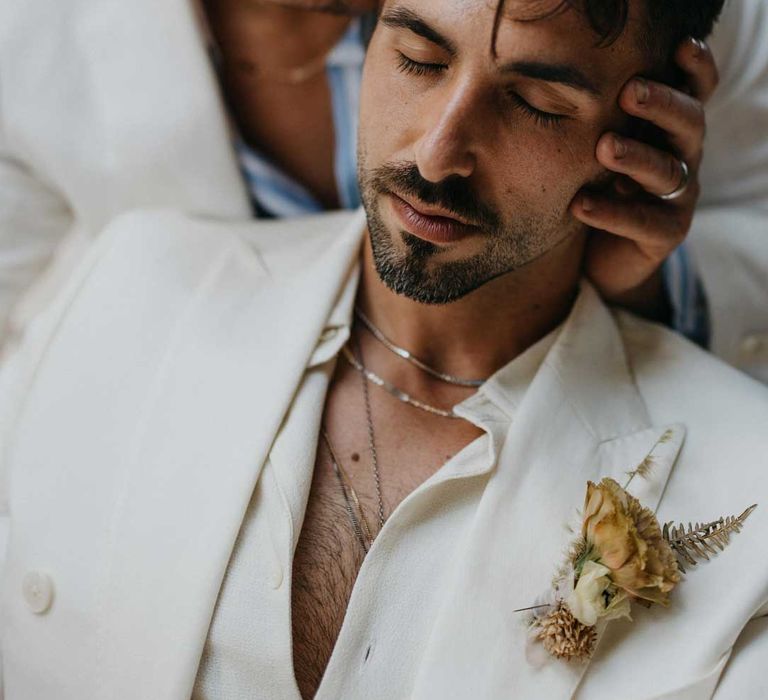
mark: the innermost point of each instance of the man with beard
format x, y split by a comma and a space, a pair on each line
334, 458
271, 132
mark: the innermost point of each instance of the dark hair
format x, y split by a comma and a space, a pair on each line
668, 22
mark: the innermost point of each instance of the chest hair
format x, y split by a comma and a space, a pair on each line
412, 446
325, 567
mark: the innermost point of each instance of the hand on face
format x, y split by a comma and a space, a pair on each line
635, 231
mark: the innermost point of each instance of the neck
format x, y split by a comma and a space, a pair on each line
480, 333
280, 36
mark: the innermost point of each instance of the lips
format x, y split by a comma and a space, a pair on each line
430, 223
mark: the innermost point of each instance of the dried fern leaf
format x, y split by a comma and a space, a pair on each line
643, 469
646, 466
696, 541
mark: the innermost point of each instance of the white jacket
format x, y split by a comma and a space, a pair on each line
111, 105
136, 422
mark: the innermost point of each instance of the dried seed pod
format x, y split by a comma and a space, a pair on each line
564, 636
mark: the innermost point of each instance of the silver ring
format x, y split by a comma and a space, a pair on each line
679, 191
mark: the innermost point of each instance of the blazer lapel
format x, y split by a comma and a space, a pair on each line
582, 419
229, 378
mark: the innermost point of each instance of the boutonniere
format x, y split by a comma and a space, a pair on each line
623, 555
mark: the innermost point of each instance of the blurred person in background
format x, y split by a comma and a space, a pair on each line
239, 108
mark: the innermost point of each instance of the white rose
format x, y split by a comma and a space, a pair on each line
587, 602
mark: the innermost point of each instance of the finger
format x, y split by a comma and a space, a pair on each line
656, 171
680, 115
698, 63
657, 229
625, 186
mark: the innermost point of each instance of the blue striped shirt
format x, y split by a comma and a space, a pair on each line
274, 193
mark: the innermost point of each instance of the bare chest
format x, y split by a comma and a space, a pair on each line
325, 567
328, 557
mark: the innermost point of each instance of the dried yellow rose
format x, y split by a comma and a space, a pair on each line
626, 538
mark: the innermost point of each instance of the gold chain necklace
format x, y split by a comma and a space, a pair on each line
295, 75
292, 75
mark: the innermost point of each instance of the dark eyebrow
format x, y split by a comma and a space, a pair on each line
404, 18
554, 73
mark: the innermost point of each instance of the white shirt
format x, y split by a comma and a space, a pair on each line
248, 653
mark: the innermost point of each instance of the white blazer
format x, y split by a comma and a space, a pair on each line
170, 361
111, 105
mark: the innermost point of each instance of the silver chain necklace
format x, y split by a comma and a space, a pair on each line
352, 502
360, 525
415, 361
399, 394
371, 438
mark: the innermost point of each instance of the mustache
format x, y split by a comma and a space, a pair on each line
453, 194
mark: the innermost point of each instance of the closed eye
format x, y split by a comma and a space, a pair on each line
411, 67
541, 117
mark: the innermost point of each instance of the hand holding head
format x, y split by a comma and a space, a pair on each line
489, 112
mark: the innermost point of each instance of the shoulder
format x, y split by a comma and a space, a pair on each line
148, 268
676, 376
723, 466
169, 237
149, 278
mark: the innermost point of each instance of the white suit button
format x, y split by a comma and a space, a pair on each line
276, 576
37, 589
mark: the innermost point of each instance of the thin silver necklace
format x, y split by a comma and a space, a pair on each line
415, 361
351, 500
360, 525
399, 394
372, 439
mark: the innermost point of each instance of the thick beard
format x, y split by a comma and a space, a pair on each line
412, 273
408, 274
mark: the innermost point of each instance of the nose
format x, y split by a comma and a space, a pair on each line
445, 146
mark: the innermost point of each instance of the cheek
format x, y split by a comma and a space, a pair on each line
389, 110
546, 168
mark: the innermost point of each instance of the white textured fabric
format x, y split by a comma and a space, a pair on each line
247, 654
135, 426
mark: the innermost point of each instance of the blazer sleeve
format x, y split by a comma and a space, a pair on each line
729, 237
16, 377
18, 374
19, 370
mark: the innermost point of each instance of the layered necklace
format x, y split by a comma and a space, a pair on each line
360, 523
415, 361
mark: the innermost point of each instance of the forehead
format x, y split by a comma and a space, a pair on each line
528, 30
